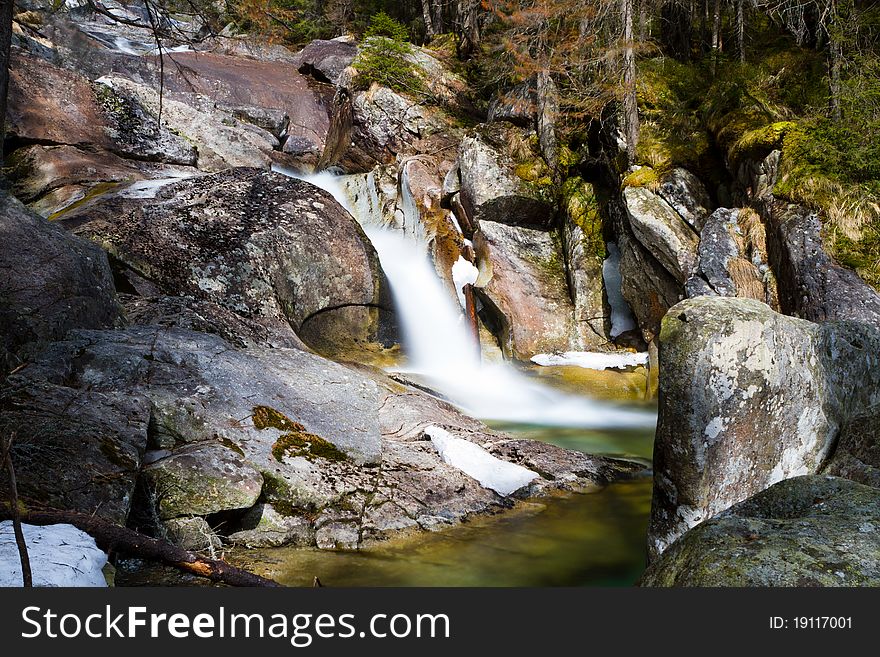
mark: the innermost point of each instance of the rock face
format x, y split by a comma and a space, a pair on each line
260, 244
732, 258
646, 286
748, 398
325, 60
490, 190
327, 455
523, 281
811, 285
661, 231
52, 282
806, 531
687, 196
199, 480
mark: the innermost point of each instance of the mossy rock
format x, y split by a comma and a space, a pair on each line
295, 441
806, 531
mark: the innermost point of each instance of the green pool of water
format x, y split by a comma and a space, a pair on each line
595, 539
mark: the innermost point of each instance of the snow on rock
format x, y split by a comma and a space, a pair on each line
463, 273
592, 360
501, 476
60, 555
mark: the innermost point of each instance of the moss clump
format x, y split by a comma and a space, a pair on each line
643, 177
94, 192
755, 144
308, 445
296, 441
582, 208
265, 417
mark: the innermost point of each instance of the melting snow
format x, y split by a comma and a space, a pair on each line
463, 273
592, 360
60, 555
501, 476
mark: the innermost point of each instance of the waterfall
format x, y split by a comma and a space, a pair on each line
441, 351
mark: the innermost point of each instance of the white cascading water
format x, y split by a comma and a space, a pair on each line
441, 351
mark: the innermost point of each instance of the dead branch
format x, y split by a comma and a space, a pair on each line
113, 537
6, 460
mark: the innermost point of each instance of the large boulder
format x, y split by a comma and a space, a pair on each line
326, 59
522, 280
202, 479
52, 282
261, 244
662, 231
806, 531
749, 397
491, 190
811, 284
328, 455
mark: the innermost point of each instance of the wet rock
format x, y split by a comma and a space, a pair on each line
326, 59
687, 196
267, 247
748, 398
811, 284
201, 480
523, 282
491, 191
661, 231
342, 448
806, 531
52, 282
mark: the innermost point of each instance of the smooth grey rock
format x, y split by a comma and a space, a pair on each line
52, 282
749, 397
262, 245
806, 531
325, 60
662, 231
491, 191
683, 191
811, 284
202, 479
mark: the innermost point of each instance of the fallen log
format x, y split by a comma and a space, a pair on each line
113, 537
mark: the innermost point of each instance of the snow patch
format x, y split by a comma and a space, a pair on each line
463, 273
501, 476
592, 360
60, 555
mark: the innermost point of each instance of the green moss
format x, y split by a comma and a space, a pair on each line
756, 144
582, 208
230, 444
265, 417
642, 177
296, 441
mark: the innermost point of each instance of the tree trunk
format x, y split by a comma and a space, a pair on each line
716, 35
643, 20
6, 12
467, 19
741, 31
704, 29
548, 109
112, 537
437, 16
630, 103
429, 22
835, 63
